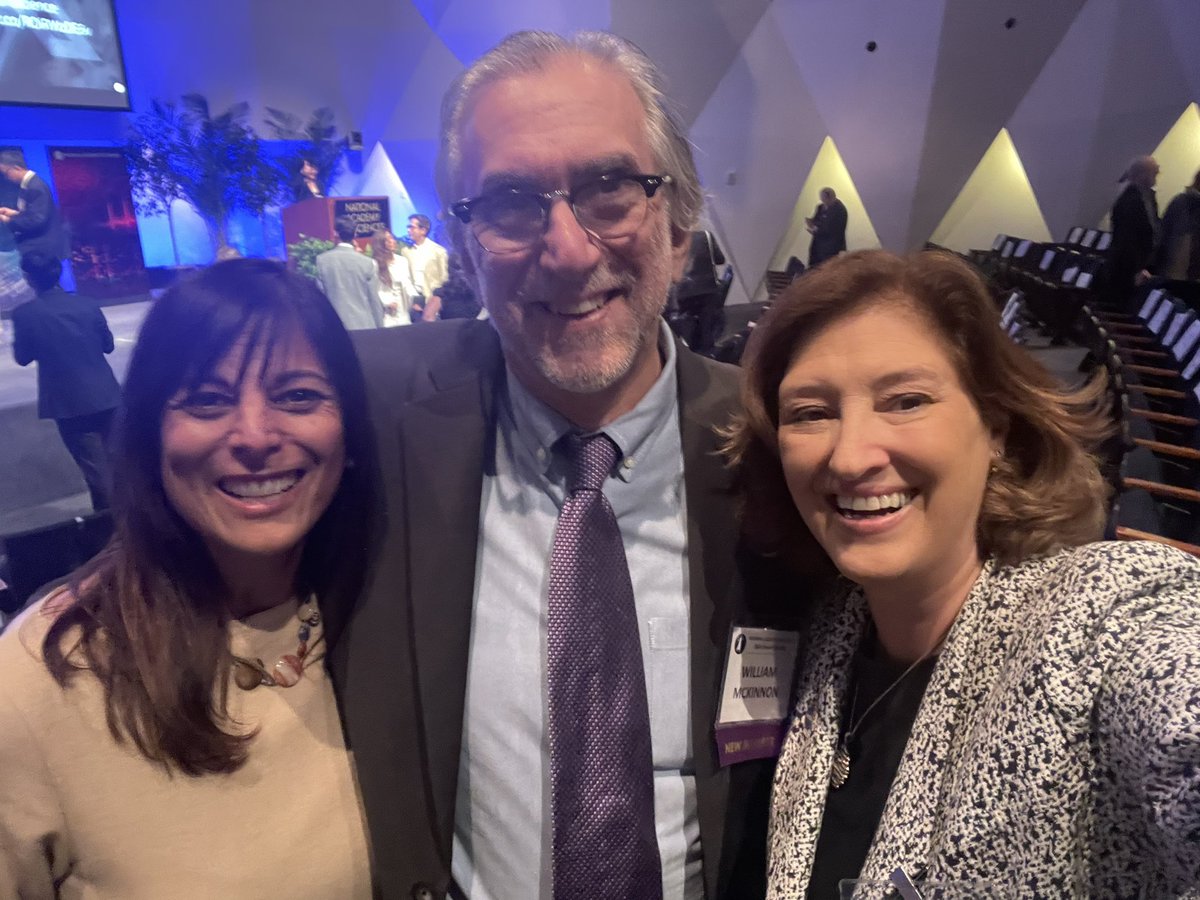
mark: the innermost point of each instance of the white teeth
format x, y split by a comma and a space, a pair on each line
266, 487
578, 309
897, 500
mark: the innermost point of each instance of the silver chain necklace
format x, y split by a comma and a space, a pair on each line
839, 774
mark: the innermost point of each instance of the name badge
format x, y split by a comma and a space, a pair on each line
755, 689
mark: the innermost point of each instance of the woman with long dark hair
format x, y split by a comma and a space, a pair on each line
167, 728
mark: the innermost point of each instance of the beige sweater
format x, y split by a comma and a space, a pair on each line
84, 817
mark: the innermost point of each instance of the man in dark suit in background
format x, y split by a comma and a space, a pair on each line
574, 194
827, 227
35, 221
68, 337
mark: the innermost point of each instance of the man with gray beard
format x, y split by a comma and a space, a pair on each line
530, 683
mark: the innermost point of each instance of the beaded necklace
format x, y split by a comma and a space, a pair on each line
250, 673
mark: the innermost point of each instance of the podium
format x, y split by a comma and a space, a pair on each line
313, 218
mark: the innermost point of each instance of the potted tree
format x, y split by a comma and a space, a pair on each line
215, 163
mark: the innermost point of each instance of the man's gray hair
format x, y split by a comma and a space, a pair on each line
1139, 169
12, 158
531, 51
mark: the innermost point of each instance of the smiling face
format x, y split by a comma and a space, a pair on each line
575, 315
884, 452
253, 454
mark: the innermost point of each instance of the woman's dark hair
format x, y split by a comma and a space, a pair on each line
149, 614
458, 299
1045, 492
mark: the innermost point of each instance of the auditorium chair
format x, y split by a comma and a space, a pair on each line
45, 554
1137, 516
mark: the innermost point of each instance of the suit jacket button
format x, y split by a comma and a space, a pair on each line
422, 891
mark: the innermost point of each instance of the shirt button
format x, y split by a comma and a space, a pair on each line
629, 462
422, 891
541, 454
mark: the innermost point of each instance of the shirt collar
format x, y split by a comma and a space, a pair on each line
27, 177
538, 427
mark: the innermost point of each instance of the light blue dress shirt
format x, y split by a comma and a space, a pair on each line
502, 837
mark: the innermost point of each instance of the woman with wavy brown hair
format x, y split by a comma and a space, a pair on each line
990, 699
396, 289
167, 727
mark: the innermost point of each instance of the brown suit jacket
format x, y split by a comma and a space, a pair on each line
399, 658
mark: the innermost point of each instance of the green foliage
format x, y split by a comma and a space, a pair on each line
304, 253
156, 136
215, 163
317, 141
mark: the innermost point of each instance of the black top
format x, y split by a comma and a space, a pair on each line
852, 811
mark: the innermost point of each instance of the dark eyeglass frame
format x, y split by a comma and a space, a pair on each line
462, 209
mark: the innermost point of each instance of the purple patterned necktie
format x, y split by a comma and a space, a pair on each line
601, 769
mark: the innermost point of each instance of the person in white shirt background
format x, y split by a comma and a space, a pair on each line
428, 261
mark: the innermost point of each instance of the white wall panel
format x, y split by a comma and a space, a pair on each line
875, 104
762, 127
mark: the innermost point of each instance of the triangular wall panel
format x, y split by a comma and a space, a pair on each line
997, 198
380, 179
1054, 127
1178, 155
739, 135
1143, 94
1183, 18
694, 44
829, 170
983, 71
413, 161
874, 103
1178, 158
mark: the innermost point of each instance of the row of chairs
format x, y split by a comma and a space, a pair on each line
31, 559
1056, 280
1152, 361
1088, 238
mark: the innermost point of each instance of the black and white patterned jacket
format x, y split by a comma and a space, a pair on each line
1056, 752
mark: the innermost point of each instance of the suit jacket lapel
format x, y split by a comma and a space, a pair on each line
711, 536
447, 439
400, 667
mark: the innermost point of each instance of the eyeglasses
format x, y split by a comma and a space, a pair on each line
510, 220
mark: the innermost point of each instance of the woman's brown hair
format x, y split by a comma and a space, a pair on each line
382, 255
1046, 490
148, 615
